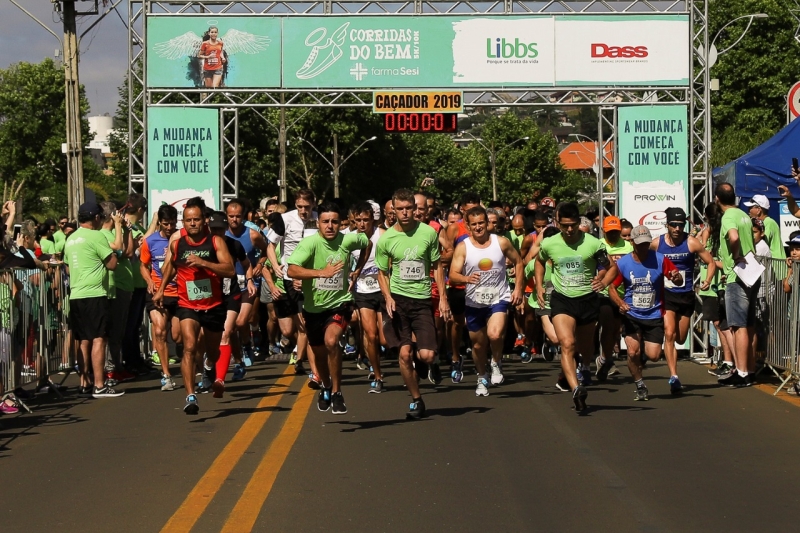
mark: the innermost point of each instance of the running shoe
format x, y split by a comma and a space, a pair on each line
562, 384
548, 351
434, 373
111, 382
155, 359
7, 408
579, 398
362, 363
239, 372
314, 382
483, 387
219, 388
371, 376
520, 342
247, 355
526, 356
191, 407
274, 349
207, 380
167, 383
497, 374
106, 392
732, 380
416, 410
603, 369
120, 375
337, 402
641, 394
376, 387
457, 370
324, 400
85, 392
675, 386
722, 370
613, 371
585, 377
750, 379
293, 359
299, 369
173, 360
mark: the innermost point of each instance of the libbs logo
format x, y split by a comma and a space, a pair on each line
506, 49
604, 50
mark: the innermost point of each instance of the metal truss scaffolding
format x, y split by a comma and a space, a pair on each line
607, 99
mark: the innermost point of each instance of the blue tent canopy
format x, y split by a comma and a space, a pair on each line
761, 170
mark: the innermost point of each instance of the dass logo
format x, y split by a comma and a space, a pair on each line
653, 220
604, 50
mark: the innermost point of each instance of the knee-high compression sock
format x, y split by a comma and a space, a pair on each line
224, 361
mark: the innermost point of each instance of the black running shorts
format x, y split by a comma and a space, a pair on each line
647, 330
88, 318
584, 309
411, 315
372, 300
317, 323
209, 319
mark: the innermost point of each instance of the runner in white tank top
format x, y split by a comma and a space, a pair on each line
480, 262
368, 297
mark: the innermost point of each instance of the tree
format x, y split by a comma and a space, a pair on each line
32, 130
754, 75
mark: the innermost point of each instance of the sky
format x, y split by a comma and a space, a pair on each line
104, 52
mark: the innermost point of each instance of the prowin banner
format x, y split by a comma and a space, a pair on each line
653, 164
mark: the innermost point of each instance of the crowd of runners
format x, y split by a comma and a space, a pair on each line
408, 281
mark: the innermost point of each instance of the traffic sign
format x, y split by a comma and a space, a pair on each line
417, 102
794, 101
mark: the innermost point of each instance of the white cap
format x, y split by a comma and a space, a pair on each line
376, 210
760, 200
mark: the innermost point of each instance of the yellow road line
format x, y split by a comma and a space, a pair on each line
209, 484
244, 514
783, 395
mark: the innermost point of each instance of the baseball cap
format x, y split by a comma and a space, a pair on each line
794, 242
90, 209
675, 214
760, 200
640, 234
218, 220
612, 223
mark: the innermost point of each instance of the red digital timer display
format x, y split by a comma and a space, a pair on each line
420, 122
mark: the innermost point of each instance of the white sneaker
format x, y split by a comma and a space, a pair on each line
483, 387
497, 374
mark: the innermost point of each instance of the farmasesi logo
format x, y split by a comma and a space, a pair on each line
605, 53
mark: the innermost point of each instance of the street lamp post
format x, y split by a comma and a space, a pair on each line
337, 163
493, 157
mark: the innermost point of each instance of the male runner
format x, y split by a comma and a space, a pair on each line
679, 300
200, 261
389, 215
405, 256
456, 292
255, 247
643, 273
322, 262
434, 373
367, 294
479, 262
574, 304
152, 254
288, 306
610, 320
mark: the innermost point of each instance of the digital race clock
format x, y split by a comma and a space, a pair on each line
420, 122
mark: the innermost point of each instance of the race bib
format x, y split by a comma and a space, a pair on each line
199, 289
336, 283
487, 295
368, 283
412, 270
643, 300
571, 270
161, 266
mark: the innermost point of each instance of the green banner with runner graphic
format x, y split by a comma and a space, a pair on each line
183, 157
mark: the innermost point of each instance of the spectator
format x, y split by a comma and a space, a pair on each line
120, 289
90, 259
736, 241
60, 236
135, 210
759, 209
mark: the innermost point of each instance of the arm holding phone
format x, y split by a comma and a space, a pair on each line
794, 209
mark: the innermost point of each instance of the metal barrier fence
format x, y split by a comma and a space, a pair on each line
779, 312
33, 327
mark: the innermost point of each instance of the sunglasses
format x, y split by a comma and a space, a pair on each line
676, 224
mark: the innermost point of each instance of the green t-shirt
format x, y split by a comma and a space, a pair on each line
516, 240
48, 247
85, 253
60, 239
574, 265
734, 218
704, 272
772, 234
533, 301
123, 274
615, 251
316, 252
112, 274
138, 281
409, 255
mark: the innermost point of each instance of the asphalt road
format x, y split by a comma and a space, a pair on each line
264, 459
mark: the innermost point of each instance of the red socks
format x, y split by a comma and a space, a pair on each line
224, 361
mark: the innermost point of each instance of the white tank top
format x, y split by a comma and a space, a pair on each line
367, 282
490, 262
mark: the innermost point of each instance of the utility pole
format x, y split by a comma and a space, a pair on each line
335, 166
73, 106
282, 152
